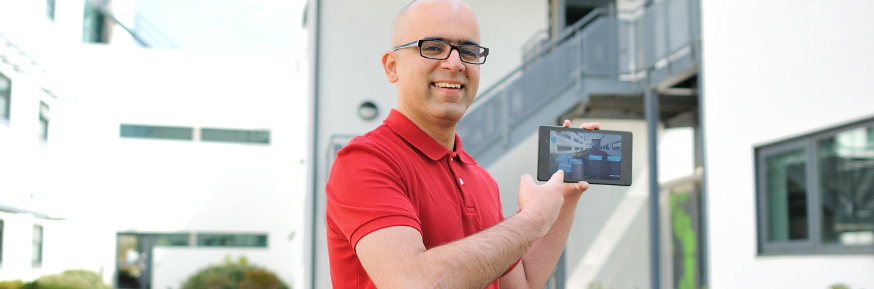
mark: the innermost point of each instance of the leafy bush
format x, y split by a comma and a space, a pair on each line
12, 284
71, 279
230, 275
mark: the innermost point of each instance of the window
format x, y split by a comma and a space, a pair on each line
134, 253
1, 243
231, 240
239, 136
93, 24
36, 249
816, 193
43, 121
181, 239
5, 89
156, 132
50, 9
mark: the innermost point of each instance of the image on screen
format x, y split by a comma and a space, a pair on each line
585, 155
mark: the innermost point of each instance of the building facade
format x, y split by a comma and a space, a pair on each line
752, 131
140, 163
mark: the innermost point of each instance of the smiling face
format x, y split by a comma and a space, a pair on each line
433, 92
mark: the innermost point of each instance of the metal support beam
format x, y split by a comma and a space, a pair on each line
651, 102
704, 212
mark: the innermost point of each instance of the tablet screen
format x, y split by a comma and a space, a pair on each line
584, 155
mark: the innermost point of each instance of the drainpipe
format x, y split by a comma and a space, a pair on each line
315, 142
651, 102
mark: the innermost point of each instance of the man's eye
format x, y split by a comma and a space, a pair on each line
432, 48
469, 51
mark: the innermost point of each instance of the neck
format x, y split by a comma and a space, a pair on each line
440, 130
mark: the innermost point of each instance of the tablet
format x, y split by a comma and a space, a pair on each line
595, 156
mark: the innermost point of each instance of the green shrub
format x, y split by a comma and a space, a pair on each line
11, 284
71, 279
18, 284
230, 275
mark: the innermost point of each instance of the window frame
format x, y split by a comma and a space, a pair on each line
242, 136
7, 94
138, 131
1, 242
813, 245
37, 244
44, 112
51, 6
93, 24
202, 237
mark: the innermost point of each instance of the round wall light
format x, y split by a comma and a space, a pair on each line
368, 110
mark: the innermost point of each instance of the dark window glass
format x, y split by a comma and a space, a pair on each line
172, 240
50, 9
93, 23
156, 132
1, 243
786, 196
846, 169
43, 121
5, 89
231, 240
816, 193
36, 249
134, 256
238, 136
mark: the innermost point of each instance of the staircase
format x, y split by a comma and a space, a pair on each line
604, 54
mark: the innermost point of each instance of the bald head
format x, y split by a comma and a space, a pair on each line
421, 13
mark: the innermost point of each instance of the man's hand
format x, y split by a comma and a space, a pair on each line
575, 190
541, 201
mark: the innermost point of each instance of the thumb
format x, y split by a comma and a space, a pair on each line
557, 178
527, 180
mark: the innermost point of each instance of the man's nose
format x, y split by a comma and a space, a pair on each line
453, 63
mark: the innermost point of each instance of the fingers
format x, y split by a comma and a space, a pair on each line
585, 125
591, 125
527, 181
582, 186
557, 178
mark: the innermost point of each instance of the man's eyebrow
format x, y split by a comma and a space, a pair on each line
466, 41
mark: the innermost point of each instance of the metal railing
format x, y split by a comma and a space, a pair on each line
599, 47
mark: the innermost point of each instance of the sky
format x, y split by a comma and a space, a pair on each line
250, 27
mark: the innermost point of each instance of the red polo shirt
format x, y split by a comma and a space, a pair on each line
397, 175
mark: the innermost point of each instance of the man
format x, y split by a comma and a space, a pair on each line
407, 207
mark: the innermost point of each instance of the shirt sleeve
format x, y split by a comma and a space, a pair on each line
366, 192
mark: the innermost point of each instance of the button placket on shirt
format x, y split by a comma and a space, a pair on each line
459, 182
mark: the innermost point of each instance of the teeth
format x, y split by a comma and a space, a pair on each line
444, 84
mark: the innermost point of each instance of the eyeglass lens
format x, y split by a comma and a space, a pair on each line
441, 50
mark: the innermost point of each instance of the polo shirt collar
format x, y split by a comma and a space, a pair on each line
421, 141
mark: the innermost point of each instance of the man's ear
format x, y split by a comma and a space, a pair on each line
390, 64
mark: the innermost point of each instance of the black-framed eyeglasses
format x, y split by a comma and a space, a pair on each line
440, 50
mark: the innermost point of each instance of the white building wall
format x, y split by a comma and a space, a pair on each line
105, 184
102, 184
774, 70
167, 186
347, 77
61, 250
